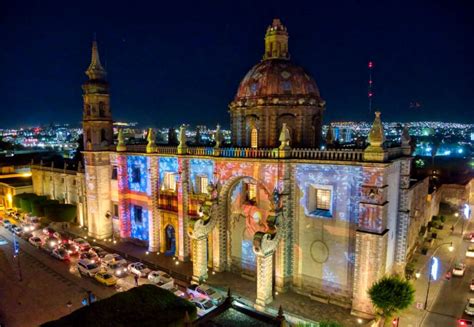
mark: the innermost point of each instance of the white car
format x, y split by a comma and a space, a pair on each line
28, 228
111, 258
87, 267
36, 241
206, 292
60, 254
117, 268
177, 292
159, 276
204, 306
459, 269
470, 307
470, 251
139, 269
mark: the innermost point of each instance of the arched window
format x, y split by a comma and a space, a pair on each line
103, 136
254, 138
101, 109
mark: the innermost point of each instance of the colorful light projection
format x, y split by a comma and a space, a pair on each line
201, 167
167, 165
139, 222
137, 172
345, 182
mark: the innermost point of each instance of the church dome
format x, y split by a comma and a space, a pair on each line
275, 78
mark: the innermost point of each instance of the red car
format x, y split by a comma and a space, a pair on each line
48, 231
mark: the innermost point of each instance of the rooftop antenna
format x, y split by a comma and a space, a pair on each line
370, 91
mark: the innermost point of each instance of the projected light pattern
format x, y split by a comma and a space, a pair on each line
201, 167
167, 164
139, 222
137, 173
345, 180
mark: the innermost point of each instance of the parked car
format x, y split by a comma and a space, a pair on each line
470, 307
158, 276
82, 244
118, 269
91, 256
28, 228
87, 267
139, 269
204, 306
177, 292
105, 278
48, 231
60, 253
17, 230
470, 251
6, 223
72, 249
99, 251
36, 222
459, 269
113, 258
36, 241
205, 291
65, 238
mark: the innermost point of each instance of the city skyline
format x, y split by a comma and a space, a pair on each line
179, 64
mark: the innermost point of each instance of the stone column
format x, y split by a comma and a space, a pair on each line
264, 280
154, 219
199, 260
183, 198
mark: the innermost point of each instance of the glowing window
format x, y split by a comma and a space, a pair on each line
251, 192
323, 199
202, 183
254, 138
170, 181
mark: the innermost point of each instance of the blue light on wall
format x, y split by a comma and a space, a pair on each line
167, 164
201, 167
345, 182
139, 222
137, 173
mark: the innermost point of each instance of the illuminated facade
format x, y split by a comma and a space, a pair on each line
273, 208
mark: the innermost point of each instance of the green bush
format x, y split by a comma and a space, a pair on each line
60, 212
434, 218
442, 218
18, 197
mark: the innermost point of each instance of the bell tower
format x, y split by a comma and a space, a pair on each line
98, 138
97, 117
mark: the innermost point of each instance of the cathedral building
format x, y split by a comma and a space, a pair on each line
272, 207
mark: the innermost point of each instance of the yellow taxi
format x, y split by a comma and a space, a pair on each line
105, 278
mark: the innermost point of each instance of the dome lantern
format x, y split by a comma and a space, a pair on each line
276, 41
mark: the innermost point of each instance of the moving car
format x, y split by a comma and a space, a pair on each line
113, 258
28, 228
459, 269
470, 251
159, 276
48, 231
87, 267
204, 306
82, 244
105, 278
50, 244
60, 253
6, 223
206, 292
139, 269
99, 251
470, 307
71, 249
17, 230
36, 241
91, 256
118, 269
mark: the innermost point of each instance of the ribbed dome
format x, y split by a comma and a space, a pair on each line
274, 78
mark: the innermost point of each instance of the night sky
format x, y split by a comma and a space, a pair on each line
171, 62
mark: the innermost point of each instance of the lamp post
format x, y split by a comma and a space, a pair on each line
451, 248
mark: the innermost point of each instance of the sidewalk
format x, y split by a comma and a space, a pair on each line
414, 317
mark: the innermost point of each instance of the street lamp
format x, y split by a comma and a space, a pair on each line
417, 275
434, 268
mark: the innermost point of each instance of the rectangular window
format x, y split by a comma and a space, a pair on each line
323, 199
251, 192
169, 181
202, 183
114, 173
138, 214
136, 175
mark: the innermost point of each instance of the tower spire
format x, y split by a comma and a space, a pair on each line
95, 71
276, 41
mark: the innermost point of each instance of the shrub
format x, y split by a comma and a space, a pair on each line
60, 212
434, 218
442, 218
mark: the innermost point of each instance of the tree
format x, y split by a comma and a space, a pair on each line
390, 295
60, 212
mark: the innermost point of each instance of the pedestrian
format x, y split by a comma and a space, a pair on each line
452, 229
136, 279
